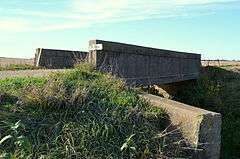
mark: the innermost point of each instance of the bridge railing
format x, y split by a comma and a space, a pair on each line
139, 65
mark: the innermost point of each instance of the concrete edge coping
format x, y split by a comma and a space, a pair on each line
126, 45
156, 99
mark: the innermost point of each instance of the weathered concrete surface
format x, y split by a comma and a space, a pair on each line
200, 127
4, 61
142, 65
58, 59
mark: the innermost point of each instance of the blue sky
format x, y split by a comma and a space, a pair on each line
209, 27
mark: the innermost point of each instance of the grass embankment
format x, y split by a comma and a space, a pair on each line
218, 90
77, 114
15, 67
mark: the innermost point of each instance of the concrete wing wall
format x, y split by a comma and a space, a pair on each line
142, 65
58, 59
201, 128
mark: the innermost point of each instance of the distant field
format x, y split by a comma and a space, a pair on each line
17, 61
220, 63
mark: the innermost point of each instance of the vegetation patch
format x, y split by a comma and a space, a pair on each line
80, 113
218, 90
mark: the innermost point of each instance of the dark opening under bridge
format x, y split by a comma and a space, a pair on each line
136, 65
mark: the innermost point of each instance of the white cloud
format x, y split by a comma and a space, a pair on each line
13, 25
82, 13
63, 26
198, 2
129, 10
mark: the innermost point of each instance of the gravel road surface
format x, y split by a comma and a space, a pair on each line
28, 73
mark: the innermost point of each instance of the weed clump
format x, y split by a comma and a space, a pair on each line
80, 113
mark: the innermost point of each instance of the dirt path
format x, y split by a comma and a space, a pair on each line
27, 73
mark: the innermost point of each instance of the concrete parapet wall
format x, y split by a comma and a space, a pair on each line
58, 59
200, 127
142, 65
16, 61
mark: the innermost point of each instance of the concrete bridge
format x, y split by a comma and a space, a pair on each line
146, 66
136, 65
139, 65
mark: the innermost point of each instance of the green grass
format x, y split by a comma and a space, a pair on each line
78, 114
14, 67
218, 90
14, 85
